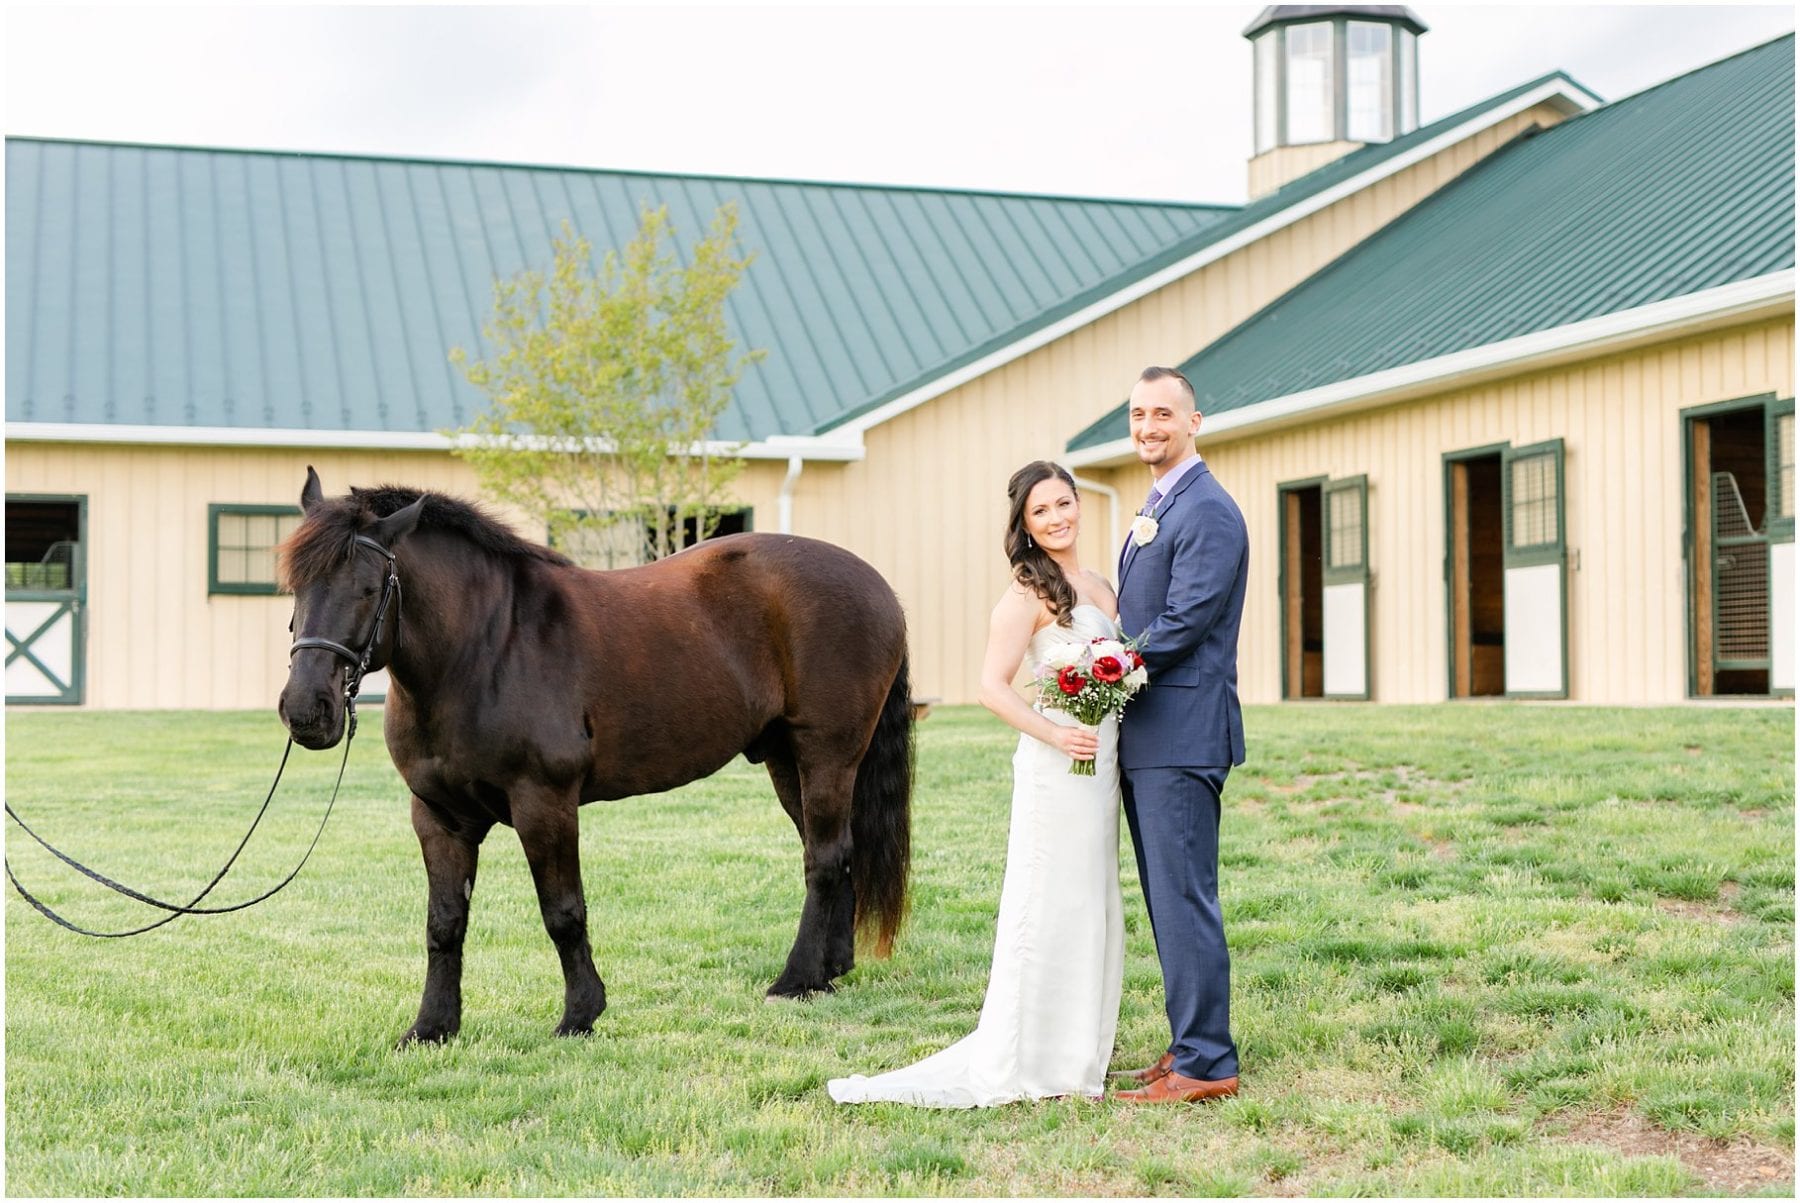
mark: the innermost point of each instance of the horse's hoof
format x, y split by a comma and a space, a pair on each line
418, 1035
567, 1028
781, 992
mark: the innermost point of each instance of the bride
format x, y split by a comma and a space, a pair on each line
1052, 1003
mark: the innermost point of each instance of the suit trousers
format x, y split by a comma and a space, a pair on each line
1174, 817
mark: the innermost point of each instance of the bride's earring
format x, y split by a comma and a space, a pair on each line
1030, 542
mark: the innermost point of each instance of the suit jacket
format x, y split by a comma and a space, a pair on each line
1182, 596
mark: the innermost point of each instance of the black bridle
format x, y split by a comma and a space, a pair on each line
359, 666
359, 660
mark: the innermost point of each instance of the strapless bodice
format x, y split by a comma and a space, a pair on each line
1086, 621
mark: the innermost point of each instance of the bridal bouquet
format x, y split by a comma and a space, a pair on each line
1090, 681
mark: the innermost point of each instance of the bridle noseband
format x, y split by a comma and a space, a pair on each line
359, 661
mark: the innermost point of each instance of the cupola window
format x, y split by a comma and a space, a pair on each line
1310, 85
1370, 81
1267, 110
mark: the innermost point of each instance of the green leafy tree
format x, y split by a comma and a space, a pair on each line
605, 388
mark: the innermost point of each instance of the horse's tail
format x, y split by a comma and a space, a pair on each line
881, 819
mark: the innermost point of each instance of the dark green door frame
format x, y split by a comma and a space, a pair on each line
1779, 530
1450, 460
1281, 579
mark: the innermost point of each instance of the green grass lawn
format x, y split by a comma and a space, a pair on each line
1482, 949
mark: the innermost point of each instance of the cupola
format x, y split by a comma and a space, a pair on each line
1329, 78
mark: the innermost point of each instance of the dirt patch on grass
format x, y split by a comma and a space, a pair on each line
1722, 910
1726, 1167
1411, 781
1314, 1173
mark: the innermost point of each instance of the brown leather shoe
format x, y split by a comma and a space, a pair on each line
1175, 1088
1149, 1073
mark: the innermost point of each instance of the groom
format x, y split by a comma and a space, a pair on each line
1181, 593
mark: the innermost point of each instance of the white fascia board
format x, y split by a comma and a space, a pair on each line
777, 447
1568, 97
1728, 304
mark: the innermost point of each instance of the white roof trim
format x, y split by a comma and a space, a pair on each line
1573, 96
779, 447
1728, 304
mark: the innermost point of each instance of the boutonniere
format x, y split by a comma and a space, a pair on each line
1143, 529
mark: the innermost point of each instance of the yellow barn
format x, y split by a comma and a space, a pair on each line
1507, 398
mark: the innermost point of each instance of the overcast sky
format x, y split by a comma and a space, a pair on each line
1142, 101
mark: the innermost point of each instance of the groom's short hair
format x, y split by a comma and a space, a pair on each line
1156, 373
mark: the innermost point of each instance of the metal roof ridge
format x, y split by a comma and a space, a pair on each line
640, 173
1677, 78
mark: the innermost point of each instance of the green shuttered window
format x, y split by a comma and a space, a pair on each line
241, 540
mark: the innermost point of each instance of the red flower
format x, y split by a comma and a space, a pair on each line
1137, 661
1108, 669
1070, 681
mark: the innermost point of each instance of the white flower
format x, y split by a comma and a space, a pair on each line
1062, 655
1110, 647
1137, 678
1143, 529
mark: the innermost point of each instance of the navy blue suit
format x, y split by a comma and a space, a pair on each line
1182, 596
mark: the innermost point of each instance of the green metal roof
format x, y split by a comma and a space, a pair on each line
169, 286
1229, 223
1683, 187
191, 287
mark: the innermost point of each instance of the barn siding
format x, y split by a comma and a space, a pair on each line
928, 503
155, 639
926, 506
1619, 417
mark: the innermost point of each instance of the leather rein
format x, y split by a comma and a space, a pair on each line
359, 667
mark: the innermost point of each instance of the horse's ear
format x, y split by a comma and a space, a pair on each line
311, 493
391, 529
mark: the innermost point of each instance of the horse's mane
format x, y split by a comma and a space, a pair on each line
323, 541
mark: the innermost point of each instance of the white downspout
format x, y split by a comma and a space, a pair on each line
785, 505
1112, 510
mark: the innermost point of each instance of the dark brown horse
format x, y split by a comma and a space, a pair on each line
522, 686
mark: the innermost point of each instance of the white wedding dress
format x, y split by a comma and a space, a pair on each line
1052, 1005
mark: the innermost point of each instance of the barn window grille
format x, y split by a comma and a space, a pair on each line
1784, 465
54, 570
1345, 542
241, 540
1534, 505
1740, 577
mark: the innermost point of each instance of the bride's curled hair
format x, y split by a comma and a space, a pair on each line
1032, 566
